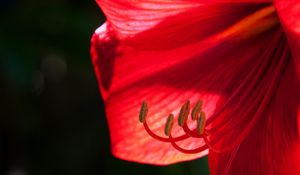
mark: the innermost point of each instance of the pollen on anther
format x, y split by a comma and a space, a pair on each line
184, 113
201, 123
196, 110
143, 112
169, 125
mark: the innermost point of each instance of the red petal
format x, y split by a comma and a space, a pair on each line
273, 146
131, 20
169, 68
289, 13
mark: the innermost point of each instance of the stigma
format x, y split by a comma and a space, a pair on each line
197, 115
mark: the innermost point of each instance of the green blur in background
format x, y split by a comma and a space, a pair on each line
52, 117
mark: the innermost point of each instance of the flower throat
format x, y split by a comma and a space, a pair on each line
252, 25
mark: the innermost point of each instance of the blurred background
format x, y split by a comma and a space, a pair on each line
52, 118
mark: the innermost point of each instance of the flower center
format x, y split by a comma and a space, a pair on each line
197, 115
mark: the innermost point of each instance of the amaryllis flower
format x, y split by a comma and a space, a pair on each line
227, 70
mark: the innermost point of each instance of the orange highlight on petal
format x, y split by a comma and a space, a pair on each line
255, 23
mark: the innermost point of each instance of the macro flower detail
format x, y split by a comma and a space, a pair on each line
155, 59
198, 132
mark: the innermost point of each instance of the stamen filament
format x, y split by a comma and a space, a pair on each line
199, 132
211, 147
187, 151
216, 150
164, 139
190, 132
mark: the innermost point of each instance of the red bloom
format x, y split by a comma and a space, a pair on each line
240, 57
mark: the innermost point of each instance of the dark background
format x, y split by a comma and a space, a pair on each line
52, 118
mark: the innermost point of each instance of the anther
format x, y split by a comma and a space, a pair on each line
143, 112
196, 110
184, 113
169, 125
201, 123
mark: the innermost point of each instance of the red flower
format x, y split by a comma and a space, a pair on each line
241, 58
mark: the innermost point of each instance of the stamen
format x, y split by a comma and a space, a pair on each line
196, 110
184, 113
143, 112
199, 132
201, 123
142, 118
169, 125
